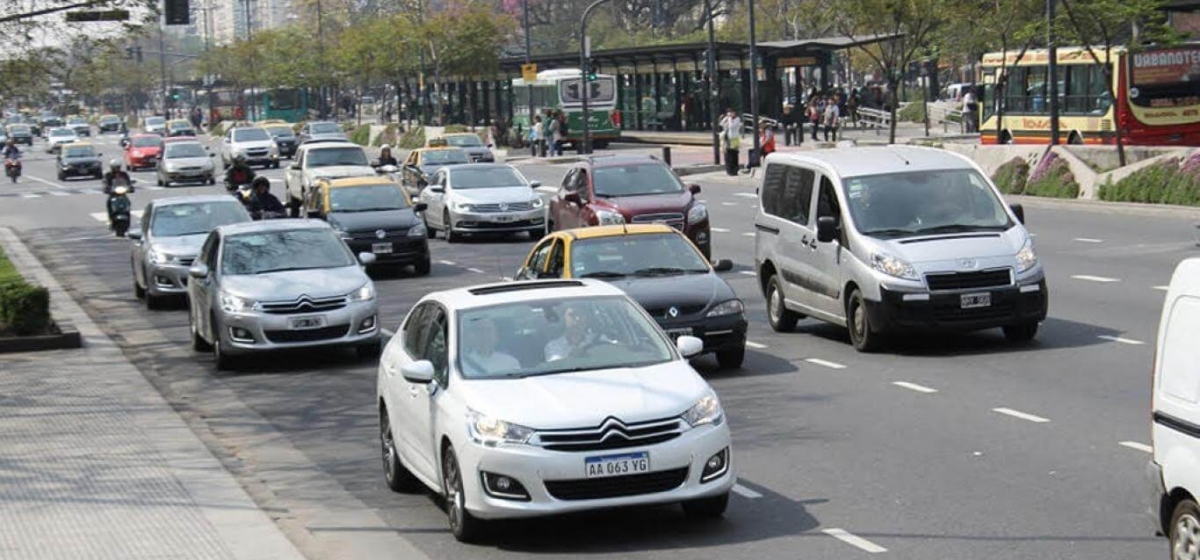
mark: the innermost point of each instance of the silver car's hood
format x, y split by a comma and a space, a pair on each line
495, 195
181, 246
188, 162
291, 284
339, 171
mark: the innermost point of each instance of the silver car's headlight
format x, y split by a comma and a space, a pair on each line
1026, 257
730, 307
893, 266
606, 218
538, 202
235, 304
157, 257
461, 206
365, 293
697, 214
417, 230
707, 410
491, 432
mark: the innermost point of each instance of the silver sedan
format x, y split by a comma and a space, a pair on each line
483, 198
184, 162
277, 285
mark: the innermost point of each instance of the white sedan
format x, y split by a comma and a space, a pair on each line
536, 398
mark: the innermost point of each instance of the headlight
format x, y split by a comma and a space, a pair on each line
491, 432
538, 202
417, 230
462, 207
157, 258
137, 153
730, 307
707, 410
893, 266
234, 304
1026, 257
697, 214
606, 218
365, 293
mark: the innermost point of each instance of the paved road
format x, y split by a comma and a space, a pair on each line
943, 447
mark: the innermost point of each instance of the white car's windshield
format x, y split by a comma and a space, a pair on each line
250, 135
557, 336
443, 157
648, 254
195, 219
367, 199
636, 179
155, 121
187, 150
486, 177
327, 157
62, 132
278, 251
284, 131
324, 128
924, 202
464, 141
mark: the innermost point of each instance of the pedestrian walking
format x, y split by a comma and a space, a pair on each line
814, 116
731, 140
555, 135
564, 129
766, 140
832, 116
852, 107
970, 117
535, 136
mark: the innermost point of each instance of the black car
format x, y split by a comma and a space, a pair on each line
285, 138
21, 134
79, 160
373, 215
110, 123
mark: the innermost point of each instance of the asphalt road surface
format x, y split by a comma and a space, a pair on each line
961, 446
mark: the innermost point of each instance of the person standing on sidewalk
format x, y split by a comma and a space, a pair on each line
731, 140
832, 115
535, 136
555, 135
814, 115
766, 140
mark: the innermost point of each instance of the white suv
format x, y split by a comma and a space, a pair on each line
322, 160
534, 398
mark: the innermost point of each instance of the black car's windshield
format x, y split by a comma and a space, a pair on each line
924, 202
79, 152
375, 198
147, 142
485, 177
110, 119
276, 251
636, 179
646, 254
326, 157
184, 150
443, 157
180, 125
196, 218
18, 129
76, 120
512, 340
249, 135
464, 141
284, 131
62, 132
324, 128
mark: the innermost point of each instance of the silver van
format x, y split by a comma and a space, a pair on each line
893, 239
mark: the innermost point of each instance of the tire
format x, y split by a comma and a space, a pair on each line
1006, 138
451, 237
537, 233
1075, 139
779, 316
198, 342
1185, 526
225, 362
706, 508
61, 176
731, 359
466, 527
212, 180
159, 181
395, 474
138, 291
293, 208
368, 350
862, 334
422, 268
152, 301
1023, 332
429, 232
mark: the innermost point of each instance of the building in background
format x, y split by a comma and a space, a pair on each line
227, 19
1184, 17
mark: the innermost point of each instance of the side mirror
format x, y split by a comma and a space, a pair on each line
689, 346
420, 372
210, 154
198, 271
374, 163
827, 227
366, 258
420, 207
437, 189
694, 188
535, 184
1019, 211
723, 265
134, 234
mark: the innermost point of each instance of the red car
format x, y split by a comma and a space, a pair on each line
143, 151
622, 189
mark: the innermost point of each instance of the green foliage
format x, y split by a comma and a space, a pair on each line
1010, 178
24, 309
915, 111
1052, 179
1164, 182
361, 135
456, 128
8, 272
412, 139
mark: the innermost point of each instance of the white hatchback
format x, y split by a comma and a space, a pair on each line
536, 398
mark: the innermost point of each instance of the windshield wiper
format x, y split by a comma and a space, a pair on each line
285, 269
602, 274
659, 271
889, 232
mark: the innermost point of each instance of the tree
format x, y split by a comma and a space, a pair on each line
467, 42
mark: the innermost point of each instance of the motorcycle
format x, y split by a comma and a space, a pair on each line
12, 168
119, 209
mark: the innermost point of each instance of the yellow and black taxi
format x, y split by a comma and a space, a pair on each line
79, 159
373, 215
422, 163
660, 269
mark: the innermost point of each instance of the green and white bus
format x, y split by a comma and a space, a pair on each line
559, 90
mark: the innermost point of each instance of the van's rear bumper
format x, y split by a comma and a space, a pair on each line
907, 311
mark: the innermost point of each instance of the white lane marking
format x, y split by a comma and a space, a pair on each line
59, 193
1088, 240
748, 273
702, 201
720, 230
1121, 340
826, 363
729, 204
51, 183
854, 540
748, 234
1137, 446
745, 492
154, 188
31, 195
547, 189
1021, 415
1091, 278
448, 263
914, 387
755, 345
1162, 288
475, 270
746, 194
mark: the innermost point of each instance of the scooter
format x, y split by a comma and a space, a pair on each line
12, 168
119, 207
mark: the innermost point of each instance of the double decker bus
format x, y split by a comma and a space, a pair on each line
562, 90
1154, 97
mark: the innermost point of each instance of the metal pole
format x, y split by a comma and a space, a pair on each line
321, 55
711, 68
753, 158
162, 68
421, 73
249, 38
1052, 72
585, 67
207, 48
528, 56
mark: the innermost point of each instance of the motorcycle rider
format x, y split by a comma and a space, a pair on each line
262, 201
115, 175
118, 203
11, 154
238, 174
386, 157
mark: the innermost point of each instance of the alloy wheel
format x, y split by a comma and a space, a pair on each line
1186, 545
455, 502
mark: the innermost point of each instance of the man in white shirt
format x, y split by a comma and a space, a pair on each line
480, 355
731, 139
577, 337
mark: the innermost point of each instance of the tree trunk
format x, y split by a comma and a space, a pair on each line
894, 94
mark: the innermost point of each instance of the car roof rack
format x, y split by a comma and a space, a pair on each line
521, 286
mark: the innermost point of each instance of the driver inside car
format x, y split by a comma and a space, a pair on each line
577, 336
480, 340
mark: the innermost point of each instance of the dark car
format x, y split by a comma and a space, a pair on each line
79, 160
373, 215
80, 125
284, 137
421, 164
321, 131
110, 123
21, 134
475, 148
614, 190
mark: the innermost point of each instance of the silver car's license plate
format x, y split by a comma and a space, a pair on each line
381, 248
302, 323
975, 301
617, 465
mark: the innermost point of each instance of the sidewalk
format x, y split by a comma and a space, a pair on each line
96, 464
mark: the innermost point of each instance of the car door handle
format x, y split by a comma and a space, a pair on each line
413, 391
768, 229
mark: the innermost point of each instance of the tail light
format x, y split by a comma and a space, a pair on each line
615, 117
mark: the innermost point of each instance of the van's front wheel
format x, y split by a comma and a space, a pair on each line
779, 316
1185, 531
862, 334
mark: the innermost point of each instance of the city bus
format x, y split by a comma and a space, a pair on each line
1155, 100
287, 104
559, 90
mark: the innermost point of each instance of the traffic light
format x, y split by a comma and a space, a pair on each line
177, 12
592, 72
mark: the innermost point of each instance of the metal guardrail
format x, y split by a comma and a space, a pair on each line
948, 116
874, 118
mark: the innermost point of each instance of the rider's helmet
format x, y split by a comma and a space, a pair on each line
385, 148
114, 164
239, 158
10, 142
260, 181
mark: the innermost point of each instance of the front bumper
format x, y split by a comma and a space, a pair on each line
27, 140
498, 222
74, 171
272, 332
532, 466
262, 159
725, 332
405, 250
166, 279
938, 311
286, 149
143, 161
186, 176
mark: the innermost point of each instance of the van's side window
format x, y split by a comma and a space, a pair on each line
797, 195
772, 188
827, 202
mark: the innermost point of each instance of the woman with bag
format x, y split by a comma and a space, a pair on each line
731, 139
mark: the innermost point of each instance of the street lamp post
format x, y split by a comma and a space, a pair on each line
585, 68
528, 56
711, 83
1052, 72
753, 158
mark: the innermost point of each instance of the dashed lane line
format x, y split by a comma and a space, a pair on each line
1022, 415
854, 540
915, 387
1088, 240
1162, 288
729, 204
746, 194
748, 272
44, 181
720, 230
746, 492
475, 270
30, 195
1129, 341
825, 363
390, 333
1090, 278
59, 193
103, 217
755, 345
448, 263
1137, 446
748, 234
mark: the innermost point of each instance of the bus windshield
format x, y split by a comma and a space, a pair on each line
1165, 77
602, 90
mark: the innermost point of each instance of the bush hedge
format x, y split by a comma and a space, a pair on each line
1165, 182
361, 135
456, 128
1010, 178
1053, 179
24, 309
412, 139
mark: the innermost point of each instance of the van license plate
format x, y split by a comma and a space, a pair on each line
617, 465
381, 248
302, 323
975, 301
676, 333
